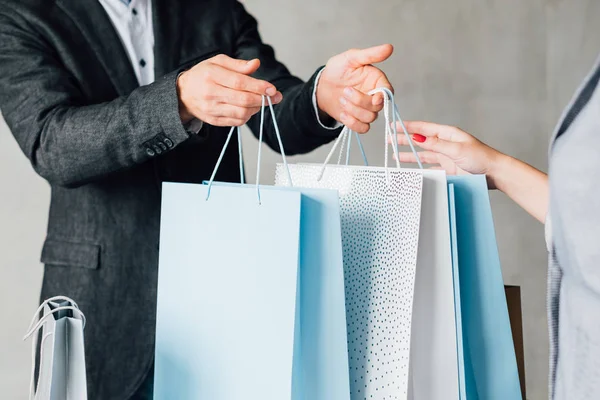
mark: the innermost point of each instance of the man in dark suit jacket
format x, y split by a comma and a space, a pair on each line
105, 144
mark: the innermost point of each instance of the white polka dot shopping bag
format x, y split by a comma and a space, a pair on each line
395, 228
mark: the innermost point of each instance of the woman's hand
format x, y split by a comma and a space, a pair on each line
457, 152
450, 149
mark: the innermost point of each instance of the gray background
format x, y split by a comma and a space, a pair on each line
500, 69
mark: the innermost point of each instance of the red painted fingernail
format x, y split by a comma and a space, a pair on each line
419, 138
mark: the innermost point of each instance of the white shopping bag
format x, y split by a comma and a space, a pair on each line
62, 374
434, 354
380, 215
380, 230
373, 239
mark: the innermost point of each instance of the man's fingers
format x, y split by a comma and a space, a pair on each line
243, 99
371, 55
242, 66
229, 112
357, 112
225, 121
238, 81
362, 100
353, 123
383, 81
239, 98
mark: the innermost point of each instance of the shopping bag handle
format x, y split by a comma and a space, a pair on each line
34, 327
259, 156
391, 133
350, 134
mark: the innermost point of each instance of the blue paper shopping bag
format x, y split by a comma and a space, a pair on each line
227, 290
457, 301
227, 283
321, 352
489, 357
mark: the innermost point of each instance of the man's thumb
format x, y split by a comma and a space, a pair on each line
371, 55
237, 65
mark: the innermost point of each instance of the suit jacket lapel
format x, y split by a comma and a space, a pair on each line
167, 21
95, 25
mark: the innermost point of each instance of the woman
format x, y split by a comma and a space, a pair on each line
569, 203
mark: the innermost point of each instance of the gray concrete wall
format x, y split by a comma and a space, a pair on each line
501, 69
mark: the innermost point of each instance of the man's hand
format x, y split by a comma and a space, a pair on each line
345, 82
220, 92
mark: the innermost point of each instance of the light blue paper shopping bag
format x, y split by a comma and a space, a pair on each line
321, 351
457, 302
489, 357
227, 282
227, 291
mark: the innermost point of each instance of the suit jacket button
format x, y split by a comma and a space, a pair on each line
157, 149
162, 146
150, 152
169, 142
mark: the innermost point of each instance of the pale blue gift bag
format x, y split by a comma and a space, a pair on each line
490, 365
265, 320
457, 302
321, 353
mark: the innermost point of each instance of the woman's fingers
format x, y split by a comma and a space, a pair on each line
403, 140
429, 129
450, 149
426, 157
433, 144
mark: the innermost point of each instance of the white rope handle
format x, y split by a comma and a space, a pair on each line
393, 132
36, 316
390, 123
391, 115
34, 328
345, 136
360, 146
259, 156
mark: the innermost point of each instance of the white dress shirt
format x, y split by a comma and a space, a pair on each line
132, 20
133, 23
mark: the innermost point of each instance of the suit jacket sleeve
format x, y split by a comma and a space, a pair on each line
69, 142
296, 116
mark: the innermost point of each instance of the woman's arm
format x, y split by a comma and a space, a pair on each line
459, 153
525, 185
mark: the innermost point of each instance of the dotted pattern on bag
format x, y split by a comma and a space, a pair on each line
380, 230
